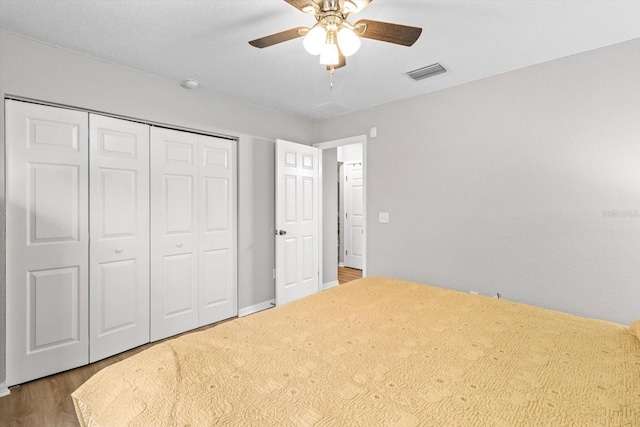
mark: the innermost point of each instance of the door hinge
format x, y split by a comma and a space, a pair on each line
346, 177
274, 273
346, 214
346, 252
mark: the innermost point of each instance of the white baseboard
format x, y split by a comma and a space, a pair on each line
329, 285
4, 390
256, 308
341, 264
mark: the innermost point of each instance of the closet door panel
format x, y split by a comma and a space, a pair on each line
218, 280
47, 240
119, 187
178, 281
174, 232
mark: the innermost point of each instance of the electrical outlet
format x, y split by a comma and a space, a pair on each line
383, 218
474, 293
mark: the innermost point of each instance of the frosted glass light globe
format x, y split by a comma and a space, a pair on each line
348, 41
315, 39
330, 55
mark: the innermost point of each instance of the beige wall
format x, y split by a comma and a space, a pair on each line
34, 70
508, 184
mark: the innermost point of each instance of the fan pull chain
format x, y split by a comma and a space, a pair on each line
331, 78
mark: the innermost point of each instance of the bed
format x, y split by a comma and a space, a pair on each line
381, 352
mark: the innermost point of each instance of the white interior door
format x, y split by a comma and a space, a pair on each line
119, 279
47, 240
297, 221
217, 245
354, 216
174, 232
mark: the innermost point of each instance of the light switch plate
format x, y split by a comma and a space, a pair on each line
383, 218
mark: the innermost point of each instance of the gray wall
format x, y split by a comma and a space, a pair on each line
508, 184
34, 70
499, 185
256, 239
329, 215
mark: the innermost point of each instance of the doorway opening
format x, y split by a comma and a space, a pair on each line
350, 207
343, 210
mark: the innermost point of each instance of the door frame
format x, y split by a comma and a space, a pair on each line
335, 143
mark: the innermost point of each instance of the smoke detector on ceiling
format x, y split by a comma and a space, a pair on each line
190, 84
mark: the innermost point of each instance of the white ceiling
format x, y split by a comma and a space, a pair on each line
207, 40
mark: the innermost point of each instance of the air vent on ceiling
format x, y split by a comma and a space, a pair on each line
331, 109
425, 72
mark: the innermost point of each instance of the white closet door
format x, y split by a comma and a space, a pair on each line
47, 240
174, 232
217, 248
119, 192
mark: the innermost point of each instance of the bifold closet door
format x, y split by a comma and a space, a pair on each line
174, 232
193, 231
47, 240
119, 247
217, 237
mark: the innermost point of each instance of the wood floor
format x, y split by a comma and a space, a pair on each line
347, 274
47, 401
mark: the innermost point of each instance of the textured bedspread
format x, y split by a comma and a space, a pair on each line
379, 352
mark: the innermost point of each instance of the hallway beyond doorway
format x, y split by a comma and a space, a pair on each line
346, 274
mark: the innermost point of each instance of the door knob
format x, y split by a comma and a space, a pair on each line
179, 245
282, 232
119, 250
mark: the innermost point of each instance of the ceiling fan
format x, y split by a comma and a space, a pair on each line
333, 37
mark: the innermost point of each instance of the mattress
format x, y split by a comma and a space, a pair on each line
382, 352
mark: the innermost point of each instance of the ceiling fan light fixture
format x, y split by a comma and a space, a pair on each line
349, 7
348, 41
330, 54
309, 9
315, 40
333, 37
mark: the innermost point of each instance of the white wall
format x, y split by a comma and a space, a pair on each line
501, 185
38, 71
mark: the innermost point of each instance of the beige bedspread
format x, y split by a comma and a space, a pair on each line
379, 352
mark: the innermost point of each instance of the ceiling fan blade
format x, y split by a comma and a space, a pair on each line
342, 62
283, 36
300, 4
386, 32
